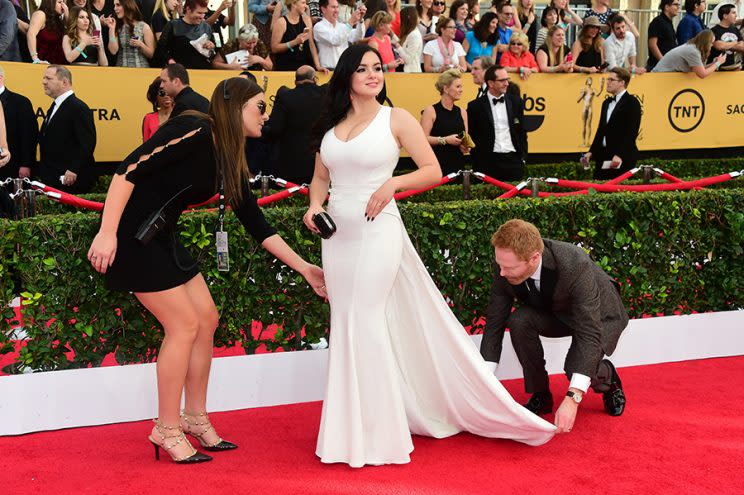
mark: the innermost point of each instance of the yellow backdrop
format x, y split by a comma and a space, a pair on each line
680, 111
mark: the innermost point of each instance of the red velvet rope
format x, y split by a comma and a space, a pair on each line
672, 186
412, 192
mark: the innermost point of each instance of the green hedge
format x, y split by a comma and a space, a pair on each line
671, 252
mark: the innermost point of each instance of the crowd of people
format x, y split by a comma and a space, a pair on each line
429, 36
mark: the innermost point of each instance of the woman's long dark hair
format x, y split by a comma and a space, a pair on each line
480, 30
226, 114
337, 101
53, 21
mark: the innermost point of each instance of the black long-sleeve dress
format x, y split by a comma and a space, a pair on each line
189, 167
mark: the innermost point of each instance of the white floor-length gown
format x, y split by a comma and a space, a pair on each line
400, 362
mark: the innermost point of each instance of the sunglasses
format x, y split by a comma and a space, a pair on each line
515, 43
161, 92
438, 4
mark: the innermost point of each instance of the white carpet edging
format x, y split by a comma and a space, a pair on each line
95, 396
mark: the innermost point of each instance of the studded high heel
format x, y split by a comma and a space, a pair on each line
167, 432
197, 425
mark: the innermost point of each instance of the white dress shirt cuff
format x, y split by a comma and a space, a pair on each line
492, 366
580, 382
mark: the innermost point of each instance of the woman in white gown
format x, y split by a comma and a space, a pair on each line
400, 362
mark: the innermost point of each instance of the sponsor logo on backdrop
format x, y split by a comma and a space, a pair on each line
686, 110
532, 122
98, 113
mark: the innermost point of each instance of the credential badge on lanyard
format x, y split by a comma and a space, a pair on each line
223, 255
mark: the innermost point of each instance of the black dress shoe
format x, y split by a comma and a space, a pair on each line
614, 399
540, 403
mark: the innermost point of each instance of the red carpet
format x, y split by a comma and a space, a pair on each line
682, 432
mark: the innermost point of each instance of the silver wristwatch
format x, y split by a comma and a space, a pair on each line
576, 396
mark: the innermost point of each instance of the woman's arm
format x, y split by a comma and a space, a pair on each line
318, 192
653, 48
313, 274
147, 44
113, 41
102, 250
542, 61
462, 63
427, 63
276, 38
38, 19
102, 59
71, 54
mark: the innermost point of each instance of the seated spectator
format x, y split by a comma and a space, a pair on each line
381, 41
482, 40
691, 24
165, 11
444, 123
587, 51
503, 30
9, 49
519, 58
473, 14
79, 44
95, 21
427, 24
459, 13
246, 52
528, 19
551, 57
548, 19
332, 37
444, 52
129, 37
620, 47
661, 34
263, 11
602, 11
566, 16
162, 104
728, 39
218, 20
187, 40
411, 45
45, 32
691, 56
393, 8
292, 43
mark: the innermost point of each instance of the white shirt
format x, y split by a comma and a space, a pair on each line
57, 102
437, 59
331, 40
610, 109
410, 51
2, 89
617, 51
502, 142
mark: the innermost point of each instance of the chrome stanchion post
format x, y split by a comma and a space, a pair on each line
466, 184
264, 185
535, 183
29, 200
647, 170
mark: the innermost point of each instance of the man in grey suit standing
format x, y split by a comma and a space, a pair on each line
562, 293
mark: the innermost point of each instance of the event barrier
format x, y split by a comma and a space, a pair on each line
680, 111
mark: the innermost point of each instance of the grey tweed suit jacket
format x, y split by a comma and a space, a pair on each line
578, 293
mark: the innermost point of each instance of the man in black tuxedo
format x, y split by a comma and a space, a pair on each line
176, 85
480, 66
562, 293
68, 136
292, 118
614, 147
495, 124
22, 132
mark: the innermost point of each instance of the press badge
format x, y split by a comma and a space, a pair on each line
223, 256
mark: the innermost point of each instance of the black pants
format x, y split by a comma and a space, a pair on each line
501, 166
526, 325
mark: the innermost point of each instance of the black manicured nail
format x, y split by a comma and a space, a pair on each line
373, 218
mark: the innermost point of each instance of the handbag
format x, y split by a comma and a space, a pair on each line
156, 222
325, 224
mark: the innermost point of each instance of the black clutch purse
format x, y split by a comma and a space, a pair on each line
325, 224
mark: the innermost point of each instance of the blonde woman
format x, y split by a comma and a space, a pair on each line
444, 123
292, 42
444, 52
78, 43
380, 40
165, 11
691, 56
411, 43
518, 57
551, 57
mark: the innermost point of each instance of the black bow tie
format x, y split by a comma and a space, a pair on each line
615, 98
498, 100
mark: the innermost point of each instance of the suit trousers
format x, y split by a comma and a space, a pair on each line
526, 325
501, 166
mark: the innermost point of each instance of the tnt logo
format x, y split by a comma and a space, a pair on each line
686, 110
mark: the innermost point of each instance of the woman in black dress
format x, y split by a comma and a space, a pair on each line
183, 163
444, 123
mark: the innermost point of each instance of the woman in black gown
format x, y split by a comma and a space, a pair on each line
444, 123
183, 162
